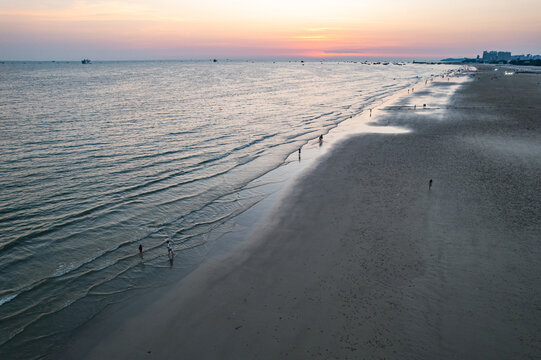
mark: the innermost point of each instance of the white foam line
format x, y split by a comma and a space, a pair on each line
8, 299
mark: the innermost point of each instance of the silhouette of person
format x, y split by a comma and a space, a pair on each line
141, 250
430, 184
170, 251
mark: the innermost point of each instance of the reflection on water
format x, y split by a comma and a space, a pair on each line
100, 159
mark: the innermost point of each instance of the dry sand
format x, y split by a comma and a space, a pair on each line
362, 261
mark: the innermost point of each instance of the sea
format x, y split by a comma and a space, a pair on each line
97, 159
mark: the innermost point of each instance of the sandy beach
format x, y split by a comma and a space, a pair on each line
361, 260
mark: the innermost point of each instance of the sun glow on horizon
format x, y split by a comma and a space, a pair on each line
241, 28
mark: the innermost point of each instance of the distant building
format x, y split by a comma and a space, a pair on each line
496, 56
504, 55
526, 57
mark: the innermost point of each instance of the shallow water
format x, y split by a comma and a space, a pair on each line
97, 159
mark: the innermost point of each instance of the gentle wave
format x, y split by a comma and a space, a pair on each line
64, 271
7, 299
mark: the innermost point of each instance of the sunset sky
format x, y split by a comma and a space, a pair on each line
202, 29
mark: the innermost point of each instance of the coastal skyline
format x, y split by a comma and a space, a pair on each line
165, 29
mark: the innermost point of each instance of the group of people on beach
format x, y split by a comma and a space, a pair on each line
170, 252
320, 143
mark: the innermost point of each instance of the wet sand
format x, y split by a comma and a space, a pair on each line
362, 260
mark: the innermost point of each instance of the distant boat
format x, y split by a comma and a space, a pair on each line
86, 61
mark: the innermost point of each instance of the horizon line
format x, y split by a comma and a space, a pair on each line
260, 58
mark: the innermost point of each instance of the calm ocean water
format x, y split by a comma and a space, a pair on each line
97, 159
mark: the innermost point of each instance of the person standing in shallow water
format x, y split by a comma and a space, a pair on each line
170, 251
140, 250
430, 184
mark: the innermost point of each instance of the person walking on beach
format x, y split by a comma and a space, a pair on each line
170, 251
430, 184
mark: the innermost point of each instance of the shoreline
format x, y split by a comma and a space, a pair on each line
392, 282
156, 271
